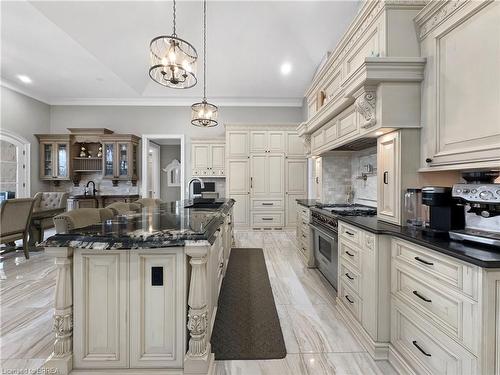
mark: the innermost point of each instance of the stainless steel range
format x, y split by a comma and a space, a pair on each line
324, 225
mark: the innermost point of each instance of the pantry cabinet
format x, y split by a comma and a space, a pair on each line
460, 96
267, 175
55, 157
208, 158
295, 187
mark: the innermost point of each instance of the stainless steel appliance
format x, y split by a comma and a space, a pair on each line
413, 207
325, 244
324, 225
482, 204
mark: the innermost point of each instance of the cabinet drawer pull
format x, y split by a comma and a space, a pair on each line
268, 218
221, 264
268, 204
349, 233
386, 178
349, 276
347, 298
424, 261
251, 182
348, 253
421, 350
421, 296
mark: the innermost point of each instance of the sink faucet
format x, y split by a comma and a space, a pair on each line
190, 188
94, 190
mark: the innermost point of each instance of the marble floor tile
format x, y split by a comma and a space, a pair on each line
292, 364
319, 329
344, 364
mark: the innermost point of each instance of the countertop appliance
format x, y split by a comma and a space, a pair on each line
413, 207
443, 211
482, 204
324, 224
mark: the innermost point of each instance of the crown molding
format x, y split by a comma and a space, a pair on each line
22, 90
179, 102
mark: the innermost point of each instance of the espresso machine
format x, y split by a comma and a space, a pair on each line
444, 213
481, 197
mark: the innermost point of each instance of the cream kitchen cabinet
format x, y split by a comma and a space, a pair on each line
294, 145
267, 175
241, 209
460, 131
267, 141
295, 187
238, 176
208, 158
397, 164
237, 144
318, 179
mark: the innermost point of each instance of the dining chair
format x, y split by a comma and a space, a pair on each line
80, 218
15, 219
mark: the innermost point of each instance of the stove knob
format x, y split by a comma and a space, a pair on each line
458, 191
498, 192
474, 191
486, 195
466, 191
485, 213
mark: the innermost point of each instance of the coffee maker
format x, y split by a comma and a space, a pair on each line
481, 197
443, 211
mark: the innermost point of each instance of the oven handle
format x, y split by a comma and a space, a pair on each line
323, 231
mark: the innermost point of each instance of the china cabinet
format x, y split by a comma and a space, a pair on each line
55, 159
120, 157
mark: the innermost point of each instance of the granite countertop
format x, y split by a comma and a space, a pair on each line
307, 202
481, 255
170, 224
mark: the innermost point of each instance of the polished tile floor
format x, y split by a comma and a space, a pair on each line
316, 338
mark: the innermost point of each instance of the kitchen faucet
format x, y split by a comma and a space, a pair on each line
94, 190
190, 188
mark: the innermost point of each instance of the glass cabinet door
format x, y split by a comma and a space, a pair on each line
47, 159
109, 155
62, 160
134, 160
123, 160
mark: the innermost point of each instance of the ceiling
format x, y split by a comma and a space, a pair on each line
97, 52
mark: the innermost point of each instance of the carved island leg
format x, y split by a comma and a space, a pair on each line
199, 357
61, 359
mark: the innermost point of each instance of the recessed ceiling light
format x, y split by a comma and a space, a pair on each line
24, 79
286, 68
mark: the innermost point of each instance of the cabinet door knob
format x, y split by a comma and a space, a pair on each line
428, 160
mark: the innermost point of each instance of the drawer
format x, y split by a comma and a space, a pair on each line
350, 233
350, 254
267, 219
267, 204
349, 277
350, 300
455, 316
444, 270
305, 214
427, 350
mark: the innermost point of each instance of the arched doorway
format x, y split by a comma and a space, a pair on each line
14, 164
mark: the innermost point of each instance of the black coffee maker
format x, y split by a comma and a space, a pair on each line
444, 213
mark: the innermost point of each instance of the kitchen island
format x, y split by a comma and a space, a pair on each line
140, 291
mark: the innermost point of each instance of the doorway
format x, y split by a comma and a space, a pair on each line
163, 167
14, 165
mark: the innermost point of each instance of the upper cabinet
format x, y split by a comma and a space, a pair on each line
370, 82
238, 144
294, 146
55, 159
120, 157
461, 95
267, 141
208, 157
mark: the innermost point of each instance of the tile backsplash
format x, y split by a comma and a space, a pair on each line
343, 177
104, 186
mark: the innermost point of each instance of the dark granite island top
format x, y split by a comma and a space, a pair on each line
170, 224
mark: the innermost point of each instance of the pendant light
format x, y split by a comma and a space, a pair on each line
204, 114
173, 60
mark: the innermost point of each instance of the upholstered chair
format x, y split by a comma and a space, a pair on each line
120, 208
15, 221
149, 202
80, 218
47, 202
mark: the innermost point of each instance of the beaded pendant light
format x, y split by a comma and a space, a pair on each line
204, 114
173, 60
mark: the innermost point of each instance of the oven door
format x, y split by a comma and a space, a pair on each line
326, 253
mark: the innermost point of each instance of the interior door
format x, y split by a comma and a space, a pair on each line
259, 175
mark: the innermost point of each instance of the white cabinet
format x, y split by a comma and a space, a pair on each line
238, 144
156, 309
241, 209
100, 322
294, 145
238, 177
295, 187
460, 93
267, 175
267, 141
208, 158
318, 179
397, 164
